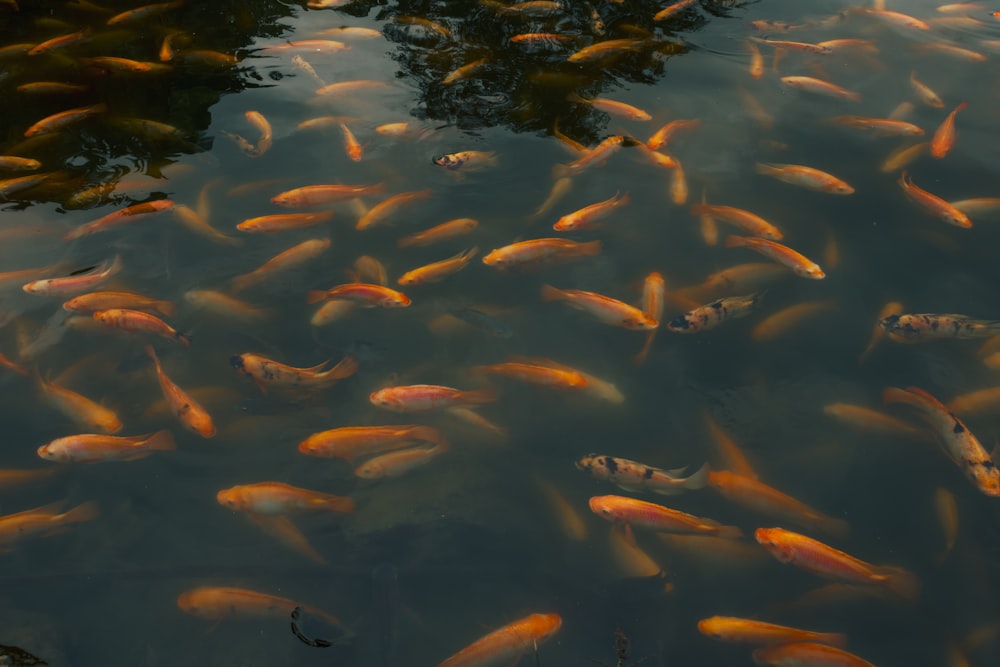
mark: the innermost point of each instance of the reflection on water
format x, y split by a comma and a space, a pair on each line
216, 399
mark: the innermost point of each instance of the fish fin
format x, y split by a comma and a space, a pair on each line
347, 367
904, 584
283, 530
550, 293
728, 532
766, 169
479, 397
87, 511
161, 441
698, 479
630, 535
836, 639
427, 434
623, 200
183, 339
315, 296
836, 527
166, 308
629, 487
733, 241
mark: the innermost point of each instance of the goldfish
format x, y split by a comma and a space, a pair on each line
823, 560
320, 195
14, 163
760, 497
93, 448
93, 301
139, 322
197, 223
466, 160
933, 326
807, 653
352, 442
632, 560
217, 604
893, 18
604, 49
655, 157
756, 68
284, 261
586, 217
14, 479
713, 314
463, 72
902, 157
634, 476
364, 294
613, 107
140, 13
75, 284
816, 86
269, 374
678, 185
945, 135
745, 220
314, 45
120, 217
536, 251
924, 92
266, 224
761, 633
657, 518
946, 511
344, 87
60, 42
982, 401
11, 186
542, 376
79, 408
653, 289
884, 127
878, 333
508, 644
43, 521
805, 177
799, 264
604, 308
52, 87
424, 397
268, 498
399, 462
187, 410
595, 387
58, 121
801, 47
443, 232
351, 144
978, 205
728, 451
378, 213
437, 271
872, 421
570, 521
780, 323
221, 304
596, 155
954, 436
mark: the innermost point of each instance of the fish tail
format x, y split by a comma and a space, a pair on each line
479, 397
962, 106
341, 504
561, 171
550, 293
315, 296
736, 241
162, 441
427, 434
87, 511
838, 639
698, 479
766, 169
328, 617
166, 308
347, 367
836, 527
623, 200
183, 339
853, 96
728, 532
589, 248
902, 583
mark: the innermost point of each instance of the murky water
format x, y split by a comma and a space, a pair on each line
441, 555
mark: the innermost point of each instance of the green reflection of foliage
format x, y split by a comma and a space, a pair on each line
102, 149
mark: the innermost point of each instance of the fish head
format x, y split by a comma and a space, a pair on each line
710, 627
679, 323
450, 160
237, 362
769, 538
840, 189
603, 507
50, 453
194, 602
587, 462
231, 498
494, 258
399, 300
384, 399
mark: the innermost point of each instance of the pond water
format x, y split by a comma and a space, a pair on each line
214, 112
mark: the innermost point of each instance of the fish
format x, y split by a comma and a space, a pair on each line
424, 397
715, 313
220, 603
15, 163
466, 160
268, 374
878, 333
94, 301
60, 42
43, 521
924, 93
587, 217
807, 653
801, 47
540, 376
745, 220
816, 86
378, 213
397, 463
884, 127
805, 177
321, 195
954, 436
756, 69
657, 518
535, 251
759, 497
595, 387
893, 18
613, 108
223, 305
444, 232
903, 157
351, 144
278, 498
284, 261
438, 271
604, 308
761, 633
653, 290
780, 323
78, 283
267, 224
982, 401
570, 522
79, 409
930, 326
58, 121
94, 448
127, 215
945, 135
634, 476
352, 442
508, 644
678, 185
728, 451
596, 155
144, 12
799, 264
823, 560
605, 49
366, 295
188, 411
872, 421
464, 72
136, 321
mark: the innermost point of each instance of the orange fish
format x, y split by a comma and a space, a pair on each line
143, 12
749, 631
364, 294
319, 195
438, 271
284, 261
269, 498
728, 451
42, 522
798, 263
187, 410
59, 42
933, 204
57, 121
216, 604
604, 308
423, 397
657, 518
92, 448
508, 644
267, 373
378, 213
945, 135
596, 155
120, 217
807, 653
924, 92
136, 321
93, 301
221, 304
351, 144
586, 217
443, 232
745, 220
820, 87
399, 462
351, 442
805, 177
75, 284
266, 224
884, 127
818, 558
79, 408
542, 376
535, 251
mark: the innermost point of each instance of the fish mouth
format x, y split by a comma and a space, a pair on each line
236, 361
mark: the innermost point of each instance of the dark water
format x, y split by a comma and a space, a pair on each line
438, 557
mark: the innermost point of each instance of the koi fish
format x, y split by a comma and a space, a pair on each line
320, 195
364, 294
267, 373
595, 155
586, 217
351, 144
945, 135
604, 49
399, 462
284, 261
872, 421
805, 177
657, 518
749, 631
423, 397
387, 207
799, 264
58, 121
816, 86
438, 271
780, 323
43, 521
612, 107
187, 410
508, 644
352, 442
745, 220
136, 321
277, 498
954, 436
807, 653
934, 326
217, 604
78, 408
541, 376
653, 290
443, 232
634, 476
604, 308
75, 284
535, 251
93, 301
713, 314
466, 160
823, 560
925, 93
884, 127
266, 224
92, 448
